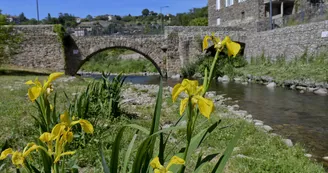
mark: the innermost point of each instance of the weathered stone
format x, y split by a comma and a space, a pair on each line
237, 79
308, 155
301, 88
325, 158
292, 87
271, 85
288, 142
258, 121
311, 89
258, 124
177, 76
321, 91
225, 78
267, 128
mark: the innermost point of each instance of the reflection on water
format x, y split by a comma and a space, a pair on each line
300, 117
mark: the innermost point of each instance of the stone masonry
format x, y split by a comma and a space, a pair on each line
178, 47
84, 47
290, 42
40, 48
241, 14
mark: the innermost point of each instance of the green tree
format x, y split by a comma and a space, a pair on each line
3, 20
145, 12
89, 17
200, 21
9, 42
22, 18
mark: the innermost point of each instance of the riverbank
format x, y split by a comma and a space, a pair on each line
306, 73
258, 150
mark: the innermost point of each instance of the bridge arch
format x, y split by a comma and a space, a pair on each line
79, 50
88, 57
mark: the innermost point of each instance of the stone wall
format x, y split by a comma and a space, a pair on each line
189, 39
240, 14
40, 48
290, 42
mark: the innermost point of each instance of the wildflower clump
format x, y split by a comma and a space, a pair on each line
54, 143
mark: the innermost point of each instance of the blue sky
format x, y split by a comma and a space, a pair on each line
82, 8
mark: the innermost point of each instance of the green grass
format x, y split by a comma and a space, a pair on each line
108, 61
305, 67
265, 154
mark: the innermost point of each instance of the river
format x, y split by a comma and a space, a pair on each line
300, 117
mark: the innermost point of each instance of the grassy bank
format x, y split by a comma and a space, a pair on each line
256, 151
109, 61
305, 67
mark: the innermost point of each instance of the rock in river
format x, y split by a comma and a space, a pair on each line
325, 158
321, 91
177, 76
271, 85
225, 78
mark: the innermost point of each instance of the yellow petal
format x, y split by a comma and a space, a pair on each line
86, 126
37, 83
57, 131
64, 154
183, 105
205, 106
5, 153
175, 160
69, 136
30, 82
205, 42
54, 76
191, 86
32, 148
45, 137
64, 118
155, 164
34, 93
176, 91
233, 48
17, 158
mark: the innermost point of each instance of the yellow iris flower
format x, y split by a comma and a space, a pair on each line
191, 88
37, 89
62, 134
158, 168
18, 158
232, 47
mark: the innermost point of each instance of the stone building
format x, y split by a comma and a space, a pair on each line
254, 14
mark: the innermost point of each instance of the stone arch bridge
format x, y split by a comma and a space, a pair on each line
41, 47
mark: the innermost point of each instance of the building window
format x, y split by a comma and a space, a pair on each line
229, 2
218, 4
218, 21
241, 0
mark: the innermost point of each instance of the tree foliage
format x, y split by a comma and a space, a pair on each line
200, 21
145, 12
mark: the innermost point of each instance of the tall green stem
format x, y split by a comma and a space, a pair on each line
190, 129
210, 76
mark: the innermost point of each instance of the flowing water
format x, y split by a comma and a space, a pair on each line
301, 117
